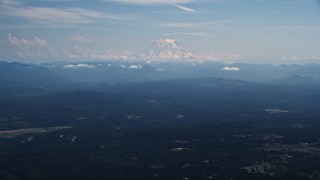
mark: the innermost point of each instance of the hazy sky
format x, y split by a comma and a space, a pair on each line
253, 30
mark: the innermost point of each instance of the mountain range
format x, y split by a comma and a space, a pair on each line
16, 73
142, 71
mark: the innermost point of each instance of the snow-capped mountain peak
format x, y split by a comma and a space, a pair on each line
164, 42
166, 49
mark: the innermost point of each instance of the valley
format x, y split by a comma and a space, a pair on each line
166, 126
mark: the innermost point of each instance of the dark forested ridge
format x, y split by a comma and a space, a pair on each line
159, 121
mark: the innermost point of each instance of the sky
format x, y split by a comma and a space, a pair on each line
258, 31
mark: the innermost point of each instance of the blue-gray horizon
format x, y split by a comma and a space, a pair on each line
258, 31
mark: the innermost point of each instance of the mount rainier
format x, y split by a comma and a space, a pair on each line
166, 49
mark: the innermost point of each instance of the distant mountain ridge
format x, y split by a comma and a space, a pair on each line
297, 80
20, 73
140, 71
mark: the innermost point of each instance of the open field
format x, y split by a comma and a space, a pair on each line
19, 132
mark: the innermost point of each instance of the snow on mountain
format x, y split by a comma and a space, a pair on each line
166, 49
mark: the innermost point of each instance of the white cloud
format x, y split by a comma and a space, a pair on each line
135, 67
151, 2
228, 63
80, 38
201, 34
79, 66
94, 54
184, 8
301, 59
29, 48
37, 48
181, 25
56, 16
231, 69
199, 25
36, 41
158, 2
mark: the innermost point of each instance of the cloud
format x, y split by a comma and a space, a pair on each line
200, 25
37, 48
175, 3
201, 34
231, 69
36, 41
29, 48
135, 67
151, 2
184, 8
94, 54
228, 62
57, 16
79, 66
301, 59
80, 38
